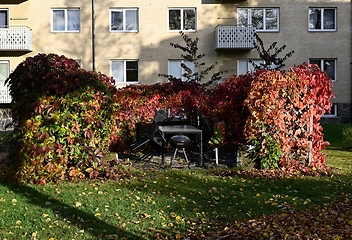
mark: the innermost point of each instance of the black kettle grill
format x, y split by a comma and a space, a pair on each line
179, 142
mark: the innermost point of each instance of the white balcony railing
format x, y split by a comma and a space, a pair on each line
234, 37
5, 95
15, 39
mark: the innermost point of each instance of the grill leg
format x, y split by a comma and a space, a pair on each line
174, 157
184, 152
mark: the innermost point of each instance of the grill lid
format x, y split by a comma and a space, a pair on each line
180, 141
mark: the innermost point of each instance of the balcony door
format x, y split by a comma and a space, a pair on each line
4, 18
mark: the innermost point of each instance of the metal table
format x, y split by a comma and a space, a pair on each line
185, 130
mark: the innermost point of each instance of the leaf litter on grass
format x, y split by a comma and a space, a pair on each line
330, 220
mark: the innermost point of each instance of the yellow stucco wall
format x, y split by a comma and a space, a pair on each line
151, 44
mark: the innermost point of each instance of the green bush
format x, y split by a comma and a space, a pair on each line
347, 135
62, 119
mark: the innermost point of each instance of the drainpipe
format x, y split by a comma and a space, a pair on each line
93, 37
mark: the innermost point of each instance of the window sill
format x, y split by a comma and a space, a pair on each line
177, 31
329, 116
129, 31
267, 31
126, 83
65, 31
320, 31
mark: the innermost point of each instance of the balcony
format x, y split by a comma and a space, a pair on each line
234, 37
16, 39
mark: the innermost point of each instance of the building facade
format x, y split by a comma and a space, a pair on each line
130, 40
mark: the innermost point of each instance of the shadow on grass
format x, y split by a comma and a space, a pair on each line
218, 199
68, 212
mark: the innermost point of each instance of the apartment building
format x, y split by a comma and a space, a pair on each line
130, 39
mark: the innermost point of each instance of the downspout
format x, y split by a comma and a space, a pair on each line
93, 37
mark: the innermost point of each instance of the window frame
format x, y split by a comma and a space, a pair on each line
5, 10
79, 61
322, 65
249, 66
124, 61
182, 9
333, 113
123, 10
322, 18
7, 62
179, 61
264, 22
66, 19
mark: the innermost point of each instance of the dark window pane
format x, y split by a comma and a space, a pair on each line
257, 18
329, 67
131, 76
131, 71
315, 61
271, 17
242, 18
329, 19
117, 20
174, 19
3, 19
189, 19
314, 19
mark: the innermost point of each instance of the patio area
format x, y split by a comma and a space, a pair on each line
225, 160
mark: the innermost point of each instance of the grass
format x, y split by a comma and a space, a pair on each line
168, 202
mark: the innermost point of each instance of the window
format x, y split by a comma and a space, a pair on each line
182, 19
322, 19
4, 21
125, 71
4, 72
65, 20
177, 71
263, 19
4, 89
79, 61
327, 65
124, 20
332, 113
244, 65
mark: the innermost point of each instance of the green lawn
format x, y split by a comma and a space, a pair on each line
167, 201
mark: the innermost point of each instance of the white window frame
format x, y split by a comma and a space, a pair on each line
181, 69
2, 82
66, 19
322, 65
322, 20
7, 17
8, 70
247, 64
123, 10
79, 61
5, 91
333, 113
182, 9
123, 78
249, 18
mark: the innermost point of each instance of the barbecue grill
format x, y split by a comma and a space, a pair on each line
180, 143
